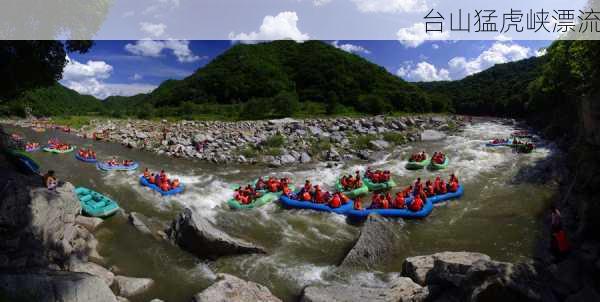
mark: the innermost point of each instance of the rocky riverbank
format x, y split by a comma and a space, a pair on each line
48, 251
274, 142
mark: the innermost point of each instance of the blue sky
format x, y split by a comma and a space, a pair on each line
130, 67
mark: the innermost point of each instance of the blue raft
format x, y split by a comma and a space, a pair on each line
447, 196
86, 160
297, 204
401, 213
504, 144
146, 183
106, 167
27, 163
95, 204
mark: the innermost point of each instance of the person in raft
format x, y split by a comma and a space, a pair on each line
161, 180
350, 182
31, 146
87, 154
338, 199
418, 157
416, 204
378, 176
127, 162
438, 158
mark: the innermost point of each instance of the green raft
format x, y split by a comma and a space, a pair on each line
364, 189
95, 204
380, 186
52, 150
441, 166
416, 165
258, 202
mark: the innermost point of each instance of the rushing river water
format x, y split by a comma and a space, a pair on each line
500, 214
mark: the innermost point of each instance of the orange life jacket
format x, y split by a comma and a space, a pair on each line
306, 196
399, 202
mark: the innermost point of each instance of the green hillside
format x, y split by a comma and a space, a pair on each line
501, 90
52, 101
282, 77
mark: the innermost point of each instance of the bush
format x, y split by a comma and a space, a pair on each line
275, 141
319, 145
361, 142
394, 138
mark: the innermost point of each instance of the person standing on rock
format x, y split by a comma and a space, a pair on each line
50, 180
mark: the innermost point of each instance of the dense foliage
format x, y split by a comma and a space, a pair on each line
52, 101
282, 78
26, 65
499, 91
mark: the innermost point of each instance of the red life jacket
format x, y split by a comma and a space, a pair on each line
416, 205
306, 196
454, 186
335, 202
399, 202
561, 241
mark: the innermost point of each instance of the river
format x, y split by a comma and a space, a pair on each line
500, 213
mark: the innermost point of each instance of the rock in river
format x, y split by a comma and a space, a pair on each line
54, 286
200, 237
375, 242
229, 288
418, 267
399, 290
129, 286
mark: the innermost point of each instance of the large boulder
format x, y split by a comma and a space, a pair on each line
54, 286
93, 269
38, 225
200, 237
129, 286
228, 288
399, 290
90, 223
375, 242
418, 267
475, 277
379, 144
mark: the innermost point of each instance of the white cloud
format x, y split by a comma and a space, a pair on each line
415, 35
89, 79
154, 30
154, 48
351, 48
390, 6
499, 52
103, 90
423, 72
282, 26
435, 46
136, 77
92, 69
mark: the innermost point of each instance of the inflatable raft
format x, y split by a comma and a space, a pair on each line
501, 144
86, 160
378, 186
144, 182
416, 165
307, 205
257, 202
441, 166
106, 167
401, 213
52, 150
447, 196
24, 161
95, 204
362, 190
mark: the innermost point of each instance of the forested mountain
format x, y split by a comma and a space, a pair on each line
500, 90
277, 78
53, 100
